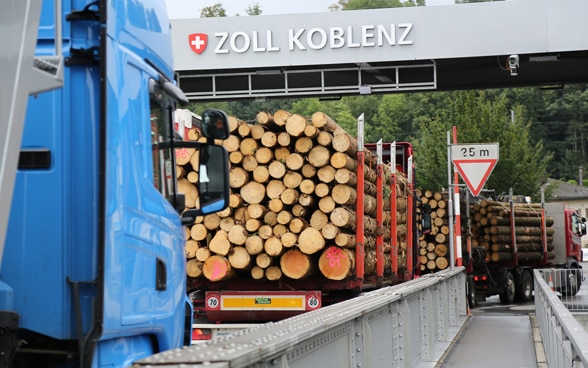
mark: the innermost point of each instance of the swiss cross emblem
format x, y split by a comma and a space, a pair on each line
198, 42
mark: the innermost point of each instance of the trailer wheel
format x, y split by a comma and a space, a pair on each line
507, 295
471, 293
573, 281
525, 287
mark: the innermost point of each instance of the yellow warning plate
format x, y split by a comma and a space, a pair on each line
263, 302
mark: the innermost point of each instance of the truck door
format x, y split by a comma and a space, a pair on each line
142, 251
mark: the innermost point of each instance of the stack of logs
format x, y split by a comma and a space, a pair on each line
433, 245
491, 229
292, 205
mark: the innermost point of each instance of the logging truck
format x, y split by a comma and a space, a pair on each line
312, 220
507, 239
91, 215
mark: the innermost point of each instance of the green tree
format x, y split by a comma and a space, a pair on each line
357, 105
378, 4
430, 151
341, 112
307, 106
559, 119
213, 11
253, 9
340, 5
473, 1
386, 122
522, 164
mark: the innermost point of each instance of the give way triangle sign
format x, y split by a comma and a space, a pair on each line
475, 162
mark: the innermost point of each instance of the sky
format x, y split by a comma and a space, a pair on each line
191, 8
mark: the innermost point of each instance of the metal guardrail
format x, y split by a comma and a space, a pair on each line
567, 283
565, 341
407, 325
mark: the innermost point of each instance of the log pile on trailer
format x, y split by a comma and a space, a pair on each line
492, 230
434, 245
292, 214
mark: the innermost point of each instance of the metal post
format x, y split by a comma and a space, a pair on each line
410, 222
22, 75
393, 224
513, 226
469, 232
379, 213
21, 20
457, 209
543, 227
359, 245
450, 205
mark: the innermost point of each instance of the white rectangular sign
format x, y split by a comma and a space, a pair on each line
473, 151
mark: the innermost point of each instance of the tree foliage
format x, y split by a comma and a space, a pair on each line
213, 11
378, 4
253, 9
522, 164
473, 1
559, 119
217, 10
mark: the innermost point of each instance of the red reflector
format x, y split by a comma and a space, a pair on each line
201, 334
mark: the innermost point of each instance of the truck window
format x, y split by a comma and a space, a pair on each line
576, 224
161, 157
161, 142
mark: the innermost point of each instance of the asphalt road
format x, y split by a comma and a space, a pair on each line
500, 335
492, 305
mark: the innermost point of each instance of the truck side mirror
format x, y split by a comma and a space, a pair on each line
426, 219
215, 124
583, 226
213, 183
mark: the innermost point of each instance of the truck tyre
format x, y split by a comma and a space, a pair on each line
507, 295
471, 293
525, 287
573, 281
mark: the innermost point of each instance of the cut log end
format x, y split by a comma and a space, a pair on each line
295, 264
216, 268
337, 263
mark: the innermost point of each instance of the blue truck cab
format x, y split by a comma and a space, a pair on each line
93, 270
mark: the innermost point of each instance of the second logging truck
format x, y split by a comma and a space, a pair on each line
510, 238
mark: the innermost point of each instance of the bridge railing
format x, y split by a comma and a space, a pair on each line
565, 341
407, 325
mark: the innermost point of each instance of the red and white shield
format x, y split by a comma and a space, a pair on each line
198, 42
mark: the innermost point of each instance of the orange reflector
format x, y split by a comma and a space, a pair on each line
201, 334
